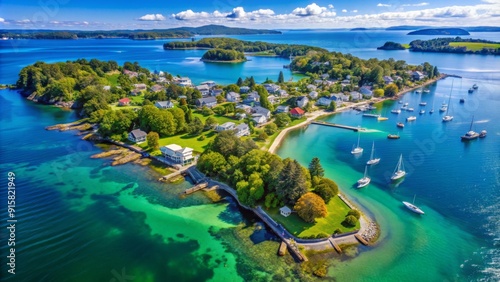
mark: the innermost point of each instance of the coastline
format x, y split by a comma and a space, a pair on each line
321, 113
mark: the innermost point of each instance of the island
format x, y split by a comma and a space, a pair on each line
440, 31
223, 56
258, 47
180, 32
226, 135
448, 45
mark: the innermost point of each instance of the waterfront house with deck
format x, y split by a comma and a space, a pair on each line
137, 136
177, 154
417, 75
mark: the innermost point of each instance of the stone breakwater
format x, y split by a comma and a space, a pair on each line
371, 232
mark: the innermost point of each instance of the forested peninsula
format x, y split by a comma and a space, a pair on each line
281, 50
440, 31
448, 45
222, 55
180, 32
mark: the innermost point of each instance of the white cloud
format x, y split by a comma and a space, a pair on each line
383, 5
354, 11
313, 10
2, 20
344, 11
189, 15
152, 17
416, 5
237, 13
330, 6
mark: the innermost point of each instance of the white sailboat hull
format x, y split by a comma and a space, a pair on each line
413, 208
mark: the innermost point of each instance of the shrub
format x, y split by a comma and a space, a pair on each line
350, 221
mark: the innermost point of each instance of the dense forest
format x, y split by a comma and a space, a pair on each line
223, 55
443, 45
389, 45
440, 31
180, 32
261, 177
282, 50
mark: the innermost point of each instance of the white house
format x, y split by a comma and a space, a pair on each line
242, 130
311, 87
164, 104
417, 75
366, 91
271, 88
244, 89
233, 97
259, 119
262, 111
204, 89
285, 211
137, 136
272, 99
388, 79
252, 97
225, 126
356, 96
282, 93
209, 102
302, 101
313, 94
214, 92
324, 101
177, 154
209, 83
282, 109
183, 81
244, 107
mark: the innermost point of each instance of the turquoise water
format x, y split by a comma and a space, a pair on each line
82, 220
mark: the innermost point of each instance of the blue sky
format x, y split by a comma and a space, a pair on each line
114, 14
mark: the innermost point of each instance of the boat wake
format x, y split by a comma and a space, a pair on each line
482, 121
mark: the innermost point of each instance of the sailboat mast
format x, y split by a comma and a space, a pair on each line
373, 148
472, 121
414, 198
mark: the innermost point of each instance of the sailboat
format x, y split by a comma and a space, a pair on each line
399, 172
412, 207
373, 160
470, 135
357, 150
432, 109
448, 117
364, 181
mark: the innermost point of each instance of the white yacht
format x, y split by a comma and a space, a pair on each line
373, 160
364, 181
357, 149
399, 172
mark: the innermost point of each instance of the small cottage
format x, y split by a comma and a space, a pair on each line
285, 211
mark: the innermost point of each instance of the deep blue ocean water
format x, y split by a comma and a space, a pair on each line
81, 220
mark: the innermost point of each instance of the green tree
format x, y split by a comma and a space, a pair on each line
220, 99
436, 72
206, 111
378, 92
179, 118
263, 94
212, 163
262, 136
153, 140
282, 119
350, 221
354, 213
332, 107
232, 88
210, 123
326, 189
196, 127
291, 182
251, 82
270, 128
310, 206
239, 82
391, 89
315, 168
281, 78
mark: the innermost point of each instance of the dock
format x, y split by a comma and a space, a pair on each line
324, 123
361, 240
195, 188
335, 245
282, 249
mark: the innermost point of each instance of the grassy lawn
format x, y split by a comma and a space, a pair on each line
138, 100
337, 210
475, 46
220, 119
113, 79
115, 107
185, 140
407, 46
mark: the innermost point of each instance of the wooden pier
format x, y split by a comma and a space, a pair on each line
335, 245
353, 128
361, 240
282, 249
198, 187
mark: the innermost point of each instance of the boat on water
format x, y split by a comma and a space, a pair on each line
412, 207
399, 172
423, 103
400, 102
471, 90
482, 134
357, 149
400, 124
382, 118
427, 91
418, 91
475, 87
422, 112
371, 115
431, 111
471, 134
410, 109
393, 136
448, 117
411, 118
462, 100
364, 181
396, 111
373, 160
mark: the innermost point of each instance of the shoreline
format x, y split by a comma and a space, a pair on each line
320, 113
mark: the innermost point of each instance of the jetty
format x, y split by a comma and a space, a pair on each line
324, 123
196, 188
361, 240
335, 245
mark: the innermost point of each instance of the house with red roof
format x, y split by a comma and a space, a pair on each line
297, 112
124, 102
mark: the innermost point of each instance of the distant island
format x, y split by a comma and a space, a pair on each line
180, 32
257, 48
223, 56
358, 28
440, 31
448, 45
467, 28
